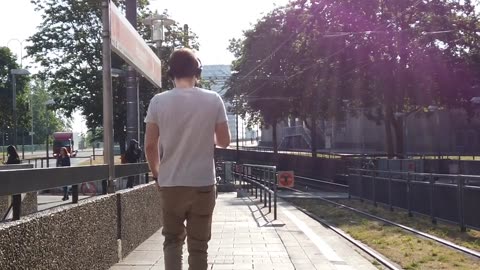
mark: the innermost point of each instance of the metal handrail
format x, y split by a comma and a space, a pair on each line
263, 178
16, 182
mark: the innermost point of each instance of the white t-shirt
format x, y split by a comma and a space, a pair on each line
186, 120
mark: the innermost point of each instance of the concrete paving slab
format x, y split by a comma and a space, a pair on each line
245, 236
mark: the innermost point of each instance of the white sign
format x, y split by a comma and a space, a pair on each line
128, 44
31, 133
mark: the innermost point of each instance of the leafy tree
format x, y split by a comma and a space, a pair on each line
68, 48
386, 58
258, 87
7, 63
45, 118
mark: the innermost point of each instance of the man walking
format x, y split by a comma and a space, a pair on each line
185, 122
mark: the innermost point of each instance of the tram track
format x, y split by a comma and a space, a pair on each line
439, 240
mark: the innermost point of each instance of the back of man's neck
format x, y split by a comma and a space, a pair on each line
184, 84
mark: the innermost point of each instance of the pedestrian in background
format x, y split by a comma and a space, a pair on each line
186, 122
132, 155
12, 155
63, 160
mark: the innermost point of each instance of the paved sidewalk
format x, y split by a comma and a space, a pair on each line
245, 238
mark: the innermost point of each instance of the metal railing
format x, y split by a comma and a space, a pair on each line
43, 162
452, 198
15, 182
259, 180
321, 153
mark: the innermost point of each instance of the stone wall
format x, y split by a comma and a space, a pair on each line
29, 204
140, 215
81, 236
3, 205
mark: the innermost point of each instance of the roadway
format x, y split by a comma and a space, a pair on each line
81, 157
50, 201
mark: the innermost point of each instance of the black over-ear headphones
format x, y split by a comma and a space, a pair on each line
199, 68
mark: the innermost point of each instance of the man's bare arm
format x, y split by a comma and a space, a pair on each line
152, 135
222, 135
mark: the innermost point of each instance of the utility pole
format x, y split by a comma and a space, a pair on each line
107, 96
132, 86
14, 107
236, 127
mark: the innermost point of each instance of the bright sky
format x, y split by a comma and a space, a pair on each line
214, 21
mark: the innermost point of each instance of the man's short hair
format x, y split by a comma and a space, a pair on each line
184, 64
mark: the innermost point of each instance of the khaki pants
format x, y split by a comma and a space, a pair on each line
195, 206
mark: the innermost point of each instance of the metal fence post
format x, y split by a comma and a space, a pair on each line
247, 187
234, 174
104, 187
256, 186
265, 189
360, 186
275, 194
409, 203
249, 178
261, 188
242, 177
390, 199
250, 183
432, 199
374, 189
16, 206
74, 193
461, 206
349, 185
270, 193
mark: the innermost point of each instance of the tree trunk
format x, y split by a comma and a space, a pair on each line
314, 138
398, 126
388, 133
274, 136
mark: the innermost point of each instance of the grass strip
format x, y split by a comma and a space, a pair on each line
450, 232
404, 248
98, 161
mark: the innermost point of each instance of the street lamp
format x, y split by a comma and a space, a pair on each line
157, 23
21, 49
14, 99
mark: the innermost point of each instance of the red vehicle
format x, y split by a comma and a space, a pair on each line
63, 139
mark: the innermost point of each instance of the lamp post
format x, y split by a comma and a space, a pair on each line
21, 66
48, 103
31, 131
14, 98
21, 49
236, 129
